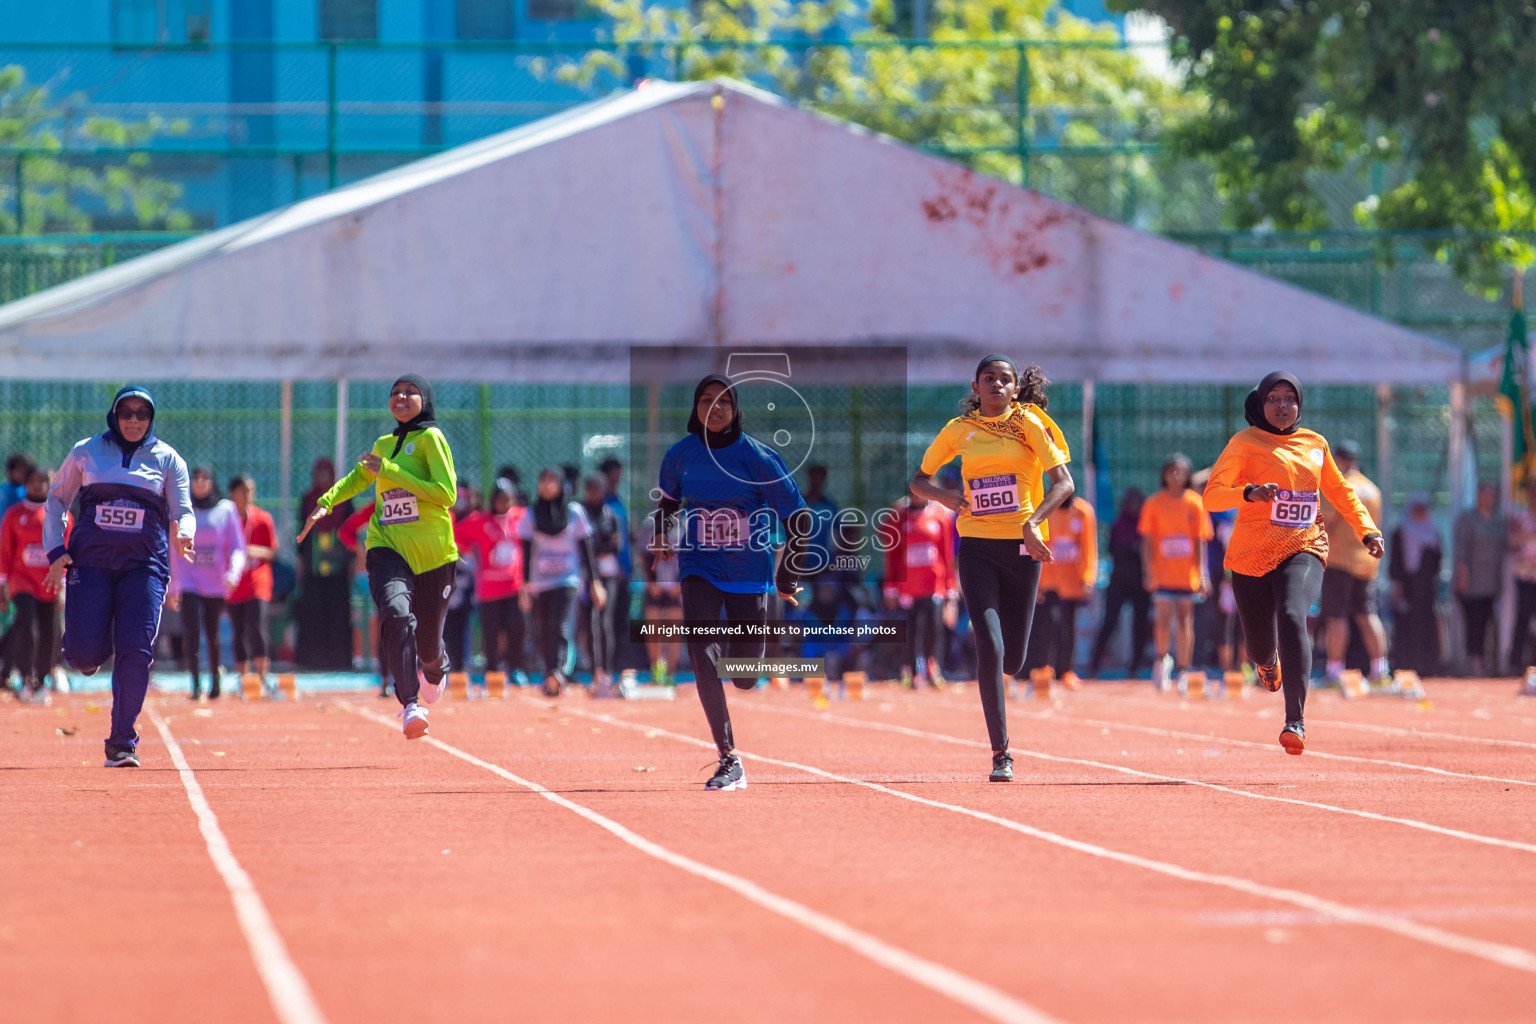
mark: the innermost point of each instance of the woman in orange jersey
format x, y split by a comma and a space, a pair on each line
1006, 444
1174, 531
1272, 473
1064, 586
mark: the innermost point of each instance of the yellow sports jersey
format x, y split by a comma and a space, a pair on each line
1003, 460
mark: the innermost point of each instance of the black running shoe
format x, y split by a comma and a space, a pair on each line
728, 776
1002, 767
121, 759
1293, 738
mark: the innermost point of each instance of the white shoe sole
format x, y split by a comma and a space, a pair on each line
740, 783
415, 728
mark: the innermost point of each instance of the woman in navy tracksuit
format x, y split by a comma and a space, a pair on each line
133, 488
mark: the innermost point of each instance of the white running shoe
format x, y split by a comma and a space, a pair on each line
60, 679
430, 692
414, 719
1162, 673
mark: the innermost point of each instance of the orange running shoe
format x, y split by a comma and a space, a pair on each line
1070, 681
1293, 738
1269, 675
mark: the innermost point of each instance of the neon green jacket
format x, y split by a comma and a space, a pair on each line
413, 513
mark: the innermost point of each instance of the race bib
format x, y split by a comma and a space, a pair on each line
1173, 548
608, 565
1293, 509
994, 495
120, 518
1064, 549
34, 557
922, 555
552, 564
722, 528
397, 507
503, 554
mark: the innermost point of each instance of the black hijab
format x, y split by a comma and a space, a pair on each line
551, 516
214, 497
423, 419
129, 447
1253, 405
715, 439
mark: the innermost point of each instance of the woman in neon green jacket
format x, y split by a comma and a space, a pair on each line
411, 552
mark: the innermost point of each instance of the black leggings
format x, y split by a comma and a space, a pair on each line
1274, 609
1476, 612
248, 625
205, 611
1124, 591
604, 625
1053, 638
501, 634
704, 602
33, 636
999, 584
553, 623
412, 608
1525, 608
923, 631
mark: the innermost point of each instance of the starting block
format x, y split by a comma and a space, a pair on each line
1235, 685
1407, 683
288, 686
1040, 679
1352, 684
853, 685
458, 685
814, 687
496, 685
251, 688
1194, 685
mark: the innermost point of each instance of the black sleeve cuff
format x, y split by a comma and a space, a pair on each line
1248, 492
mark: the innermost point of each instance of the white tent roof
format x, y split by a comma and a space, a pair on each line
683, 215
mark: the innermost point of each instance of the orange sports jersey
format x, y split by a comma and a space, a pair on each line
1174, 528
1002, 475
1075, 543
1267, 533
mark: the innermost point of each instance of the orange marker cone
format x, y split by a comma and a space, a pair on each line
496, 685
1236, 685
1194, 685
288, 686
814, 686
250, 687
458, 685
854, 684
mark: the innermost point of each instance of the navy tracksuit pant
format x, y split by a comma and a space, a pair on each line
115, 613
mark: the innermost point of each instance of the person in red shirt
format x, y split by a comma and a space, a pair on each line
489, 540
247, 603
24, 583
920, 579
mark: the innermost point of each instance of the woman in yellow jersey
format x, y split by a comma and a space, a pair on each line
411, 550
1006, 444
1273, 473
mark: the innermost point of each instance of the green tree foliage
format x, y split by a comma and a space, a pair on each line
956, 92
55, 192
1441, 91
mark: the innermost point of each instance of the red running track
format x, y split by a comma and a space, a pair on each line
1158, 860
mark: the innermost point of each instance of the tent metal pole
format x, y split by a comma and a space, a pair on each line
1384, 451
343, 464
285, 517
1507, 504
1456, 457
1089, 487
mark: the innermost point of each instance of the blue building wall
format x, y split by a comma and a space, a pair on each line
275, 100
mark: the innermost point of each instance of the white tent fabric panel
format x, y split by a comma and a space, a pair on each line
685, 215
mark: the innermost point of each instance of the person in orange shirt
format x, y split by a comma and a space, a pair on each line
1064, 586
24, 583
1174, 531
1274, 473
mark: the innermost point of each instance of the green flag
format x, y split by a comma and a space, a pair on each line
1515, 402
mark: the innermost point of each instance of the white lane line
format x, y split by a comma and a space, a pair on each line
1494, 952
1454, 833
1251, 744
983, 998
1228, 712
291, 998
